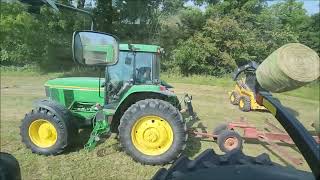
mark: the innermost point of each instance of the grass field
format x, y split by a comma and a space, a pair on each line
211, 103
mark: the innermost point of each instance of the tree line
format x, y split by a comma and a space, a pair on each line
212, 37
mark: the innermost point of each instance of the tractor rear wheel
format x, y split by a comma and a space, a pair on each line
244, 103
234, 98
153, 132
44, 132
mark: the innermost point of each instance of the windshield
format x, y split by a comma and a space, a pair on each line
122, 71
144, 67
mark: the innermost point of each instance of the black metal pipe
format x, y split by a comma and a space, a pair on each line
78, 10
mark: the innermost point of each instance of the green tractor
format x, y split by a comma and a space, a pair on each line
130, 100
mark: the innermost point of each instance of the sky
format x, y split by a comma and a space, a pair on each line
312, 6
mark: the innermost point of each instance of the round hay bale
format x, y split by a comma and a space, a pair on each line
289, 67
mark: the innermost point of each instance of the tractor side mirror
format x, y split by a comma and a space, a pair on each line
95, 48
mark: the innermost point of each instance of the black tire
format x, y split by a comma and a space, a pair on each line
226, 136
234, 98
62, 127
9, 167
246, 103
165, 111
218, 129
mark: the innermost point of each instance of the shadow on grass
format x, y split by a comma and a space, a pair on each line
83, 137
193, 146
80, 140
193, 143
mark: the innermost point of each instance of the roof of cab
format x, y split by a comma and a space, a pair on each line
140, 47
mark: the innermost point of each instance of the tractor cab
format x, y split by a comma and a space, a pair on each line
144, 61
138, 64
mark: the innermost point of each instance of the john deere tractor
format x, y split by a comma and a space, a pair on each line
130, 100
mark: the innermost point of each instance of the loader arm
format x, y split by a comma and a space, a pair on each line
252, 66
306, 144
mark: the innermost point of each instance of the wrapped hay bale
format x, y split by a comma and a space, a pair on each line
289, 67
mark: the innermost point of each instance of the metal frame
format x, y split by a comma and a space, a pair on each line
297, 134
272, 136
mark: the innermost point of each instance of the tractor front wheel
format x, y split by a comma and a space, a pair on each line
244, 103
234, 98
153, 132
44, 132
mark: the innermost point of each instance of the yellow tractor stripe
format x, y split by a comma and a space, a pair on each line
74, 88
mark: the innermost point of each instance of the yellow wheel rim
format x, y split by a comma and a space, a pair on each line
152, 135
241, 103
42, 133
232, 98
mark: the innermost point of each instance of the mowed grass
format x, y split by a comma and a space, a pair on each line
211, 103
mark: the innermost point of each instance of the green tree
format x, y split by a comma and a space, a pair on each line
171, 6
43, 39
290, 14
177, 28
228, 33
18, 29
310, 33
104, 15
237, 32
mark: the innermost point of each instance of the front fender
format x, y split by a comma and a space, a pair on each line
60, 111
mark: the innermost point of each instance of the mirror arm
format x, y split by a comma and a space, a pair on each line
134, 68
99, 82
78, 10
106, 86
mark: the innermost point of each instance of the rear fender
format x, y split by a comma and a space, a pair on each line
137, 96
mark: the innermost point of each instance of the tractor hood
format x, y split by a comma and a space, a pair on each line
68, 91
84, 83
